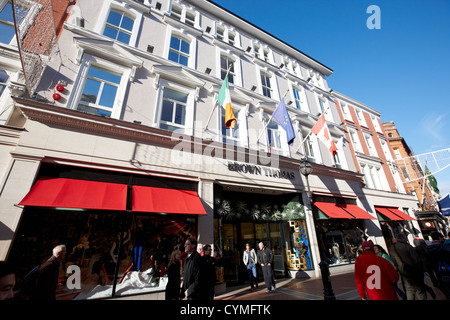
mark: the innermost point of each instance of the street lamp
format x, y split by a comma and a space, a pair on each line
306, 169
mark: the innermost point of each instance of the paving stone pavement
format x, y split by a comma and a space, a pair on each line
343, 285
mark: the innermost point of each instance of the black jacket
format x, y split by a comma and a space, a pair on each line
265, 256
193, 280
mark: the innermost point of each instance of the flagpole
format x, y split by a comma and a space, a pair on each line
215, 104
270, 119
309, 133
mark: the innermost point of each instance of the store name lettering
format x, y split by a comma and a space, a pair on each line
261, 171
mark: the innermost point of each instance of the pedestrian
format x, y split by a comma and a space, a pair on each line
439, 254
173, 286
7, 280
375, 275
421, 249
193, 280
210, 271
379, 251
47, 279
265, 259
410, 267
250, 261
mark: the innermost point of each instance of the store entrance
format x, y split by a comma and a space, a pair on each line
232, 245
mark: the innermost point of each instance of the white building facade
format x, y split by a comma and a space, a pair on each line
116, 168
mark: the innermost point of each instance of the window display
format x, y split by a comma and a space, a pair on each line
127, 252
340, 240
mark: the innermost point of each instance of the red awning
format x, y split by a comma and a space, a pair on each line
333, 211
401, 214
356, 211
388, 213
76, 194
161, 200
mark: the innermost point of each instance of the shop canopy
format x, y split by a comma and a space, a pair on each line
150, 199
95, 195
356, 211
333, 211
76, 194
393, 213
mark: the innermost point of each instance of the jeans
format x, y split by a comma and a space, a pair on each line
251, 270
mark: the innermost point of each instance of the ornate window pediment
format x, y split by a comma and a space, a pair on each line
179, 75
110, 51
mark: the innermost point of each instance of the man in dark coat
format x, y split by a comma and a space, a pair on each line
410, 267
193, 281
47, 279
265, 259
439, 254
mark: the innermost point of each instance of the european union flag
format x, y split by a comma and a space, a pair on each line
281, 116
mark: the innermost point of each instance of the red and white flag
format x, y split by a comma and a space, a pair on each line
320, 129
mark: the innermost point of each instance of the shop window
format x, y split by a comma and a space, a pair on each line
99, 92
340, 240
119, 26
92, 241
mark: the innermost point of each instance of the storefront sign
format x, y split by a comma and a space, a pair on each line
260, 171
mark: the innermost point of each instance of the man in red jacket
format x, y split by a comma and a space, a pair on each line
375, 275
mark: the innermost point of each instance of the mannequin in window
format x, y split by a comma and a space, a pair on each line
138, 246
114, 252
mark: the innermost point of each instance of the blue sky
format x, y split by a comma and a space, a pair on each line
402, 69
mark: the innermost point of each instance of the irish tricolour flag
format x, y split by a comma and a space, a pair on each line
224, 99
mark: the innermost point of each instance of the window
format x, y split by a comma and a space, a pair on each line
179, 50
7, 30
231, 38
99, 92
355, 140
177, 12
298, 100
386, 151
370, 145
397, 154
309, 148
3, 81
173, 112
225, 63
190, 18
227, 34
374, 176
337, 160
274, 138
345, 111
266, 55
376, 124
119, 26
361, 119
265, 83
184, 14
220, 33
